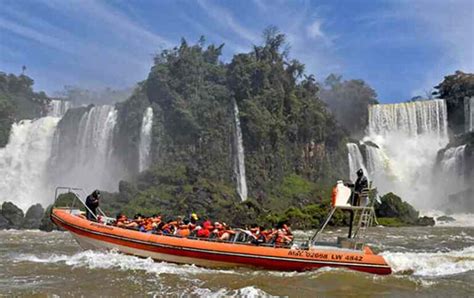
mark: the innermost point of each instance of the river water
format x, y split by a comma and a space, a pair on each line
435, 262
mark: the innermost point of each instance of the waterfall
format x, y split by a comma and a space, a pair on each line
57, 108
145, 140
23, 163
408, 135
239, 164
356, 161
452, 169
469, 114
83, 153
377, 161
409, 119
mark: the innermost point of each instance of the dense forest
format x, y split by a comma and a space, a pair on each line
294, 147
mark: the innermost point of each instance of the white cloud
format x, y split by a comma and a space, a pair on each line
111, 20
35, 35
314, 30
225, 18
117, 53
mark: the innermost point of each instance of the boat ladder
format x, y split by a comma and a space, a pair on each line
366, 218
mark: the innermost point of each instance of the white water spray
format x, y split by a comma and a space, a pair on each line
356, 160
145, 140
239, 164
23, 163
88, 161
469, 114
408, 135
57, 108
452, 170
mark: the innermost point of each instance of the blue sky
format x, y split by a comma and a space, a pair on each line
400, 48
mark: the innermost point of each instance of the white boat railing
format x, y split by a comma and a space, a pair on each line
78, 194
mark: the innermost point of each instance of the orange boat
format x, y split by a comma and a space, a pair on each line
346, 253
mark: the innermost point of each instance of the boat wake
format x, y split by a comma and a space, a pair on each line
115, 260
431, 264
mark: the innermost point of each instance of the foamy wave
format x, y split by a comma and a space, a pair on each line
243, 292
432, 264
114, 260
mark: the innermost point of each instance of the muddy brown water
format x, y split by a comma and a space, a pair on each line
431, 262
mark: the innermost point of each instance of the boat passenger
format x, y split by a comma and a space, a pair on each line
123, 222
147, 226
284, 235
169, 228
138, 222
193, 218
205, 230
269, 235
184, 229
92, 203
218, 230
254, 234
156, 220
227, 232
120, 220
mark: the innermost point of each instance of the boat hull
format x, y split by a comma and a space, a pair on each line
91, 235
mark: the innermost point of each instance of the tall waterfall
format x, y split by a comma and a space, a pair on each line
239, 156
145, 140
409, 119
83, 152
408, 135
23, 163
57, 108
355, 160
469, 114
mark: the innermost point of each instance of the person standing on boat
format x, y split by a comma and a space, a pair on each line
360, 184
92, 203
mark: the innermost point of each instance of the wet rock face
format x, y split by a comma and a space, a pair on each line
425, 221
45, 222
4, 224
13, 215
33, 217
392, 206
445, 218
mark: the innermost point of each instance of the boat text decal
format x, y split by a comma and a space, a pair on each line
324, 256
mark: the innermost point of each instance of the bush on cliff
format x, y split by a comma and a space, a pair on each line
18, 101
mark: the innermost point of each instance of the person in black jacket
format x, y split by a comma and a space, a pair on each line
92, 203
360, 184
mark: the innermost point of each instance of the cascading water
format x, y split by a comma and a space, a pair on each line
452, 169
145, 140
23, 163
83, 152
239, 164
408, 135
57, 108
469, 114
409, 119
355, 160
